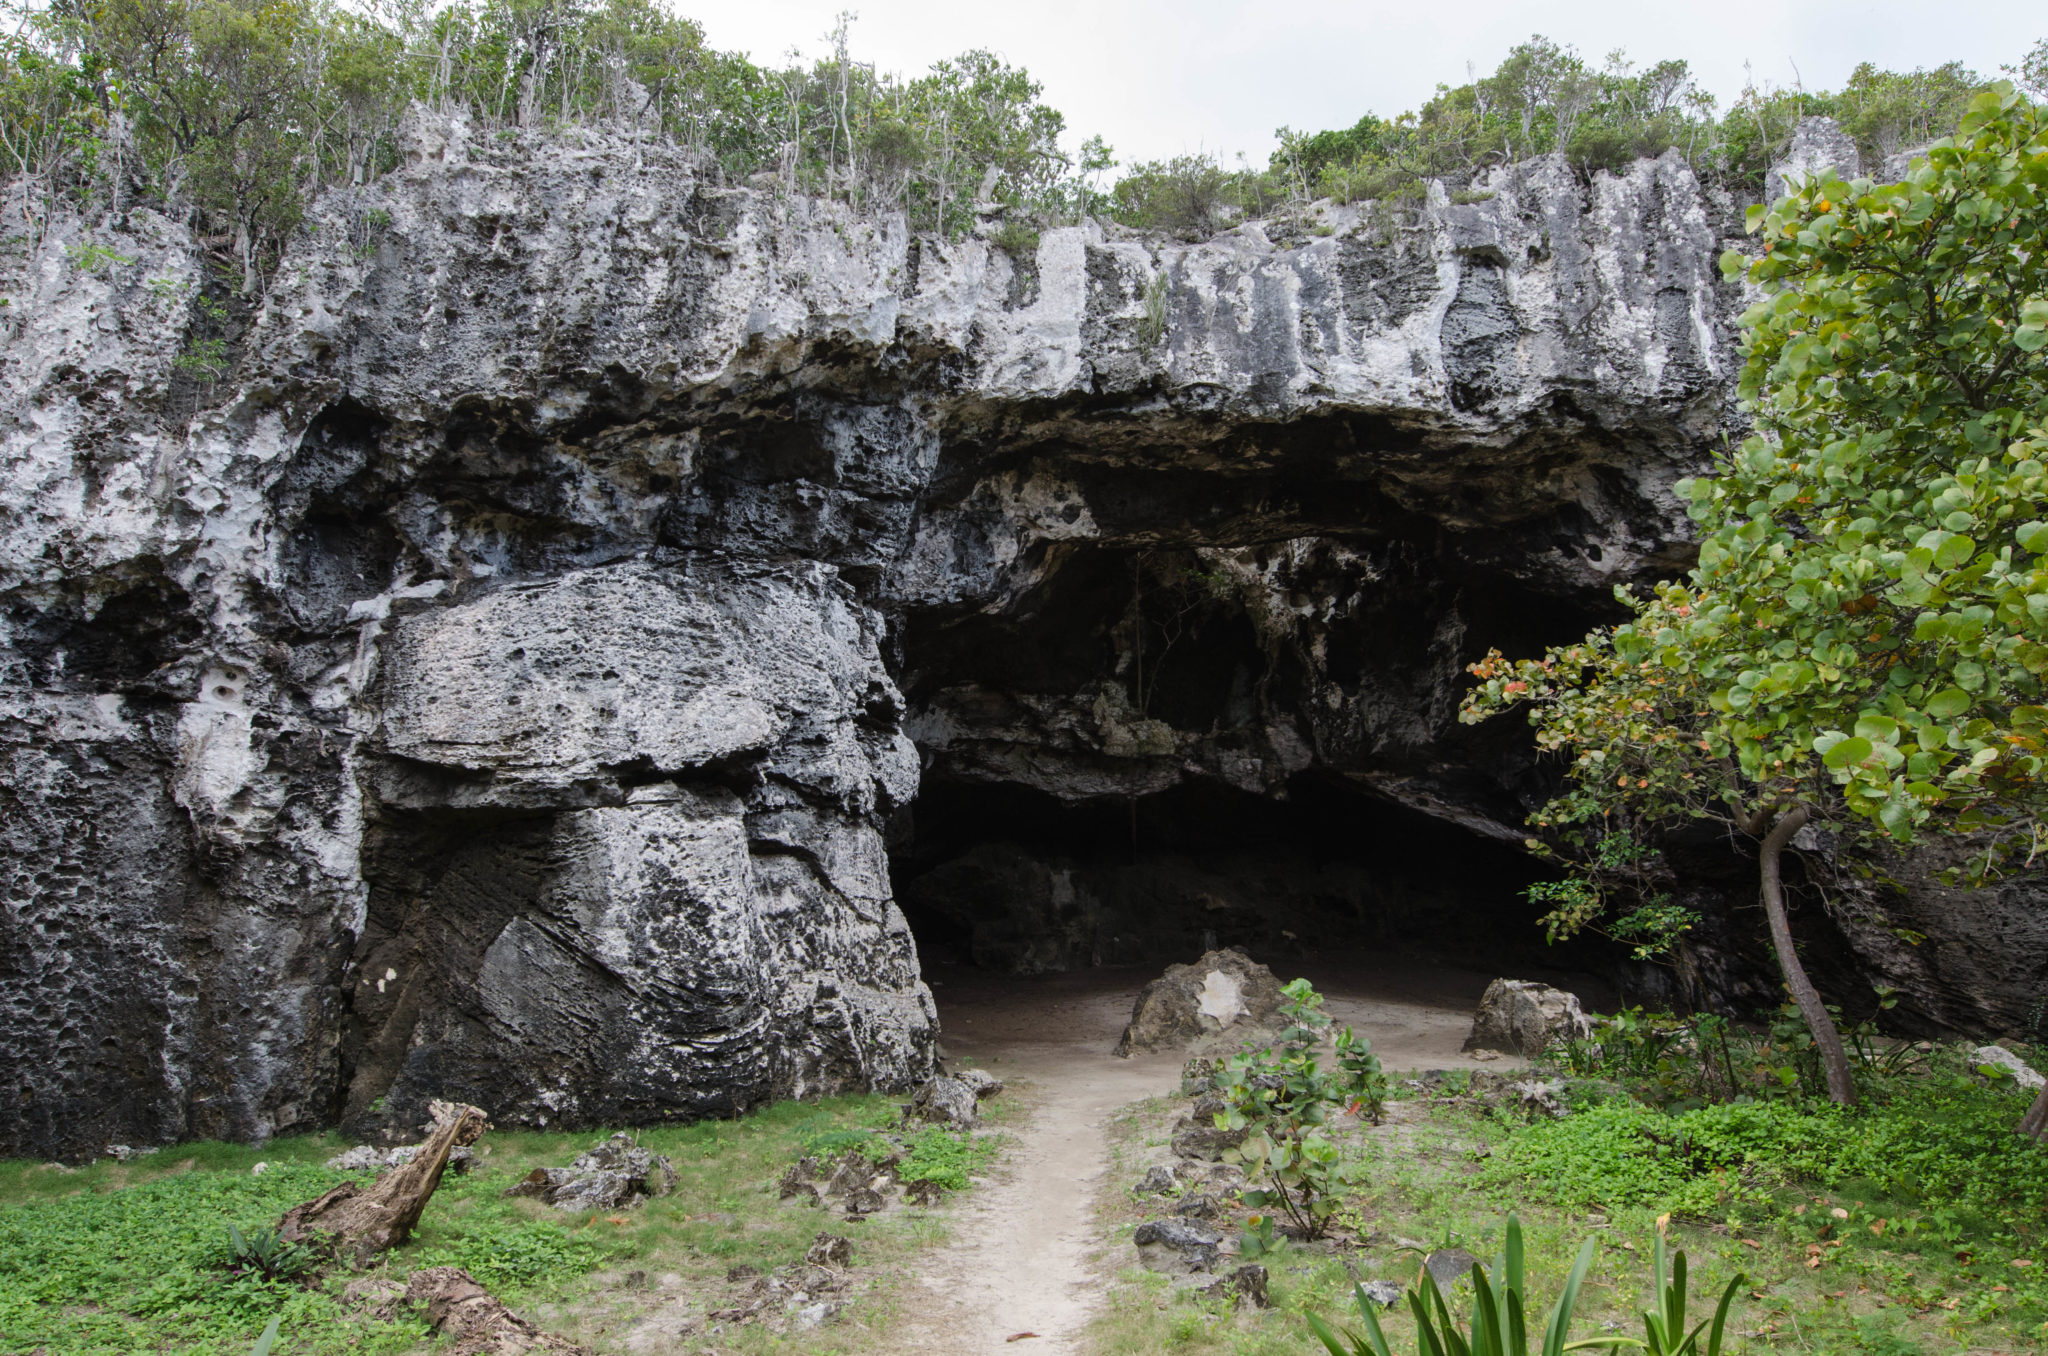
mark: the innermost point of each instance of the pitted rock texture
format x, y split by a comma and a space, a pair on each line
503, 682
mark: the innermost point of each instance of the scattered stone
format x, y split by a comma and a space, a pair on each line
1206, 1142
615, 1174
1198, 1075
460, 1309
801, 1180
1485, 1056
852, 1172
984, 1083
361, 1221
121, 1153
374, 1297
1446, 1265
1540, 1097
1999, 1057
816, 1315
259, 1170
1246, 1285
1521, 1017
1224, 1179
1157, 1181
925, 1194
1224, 990
742, 1272
1386, 1294
830, 1250
365, 1158
944, 1101
1199, 1206
1177, 1247
662, 1331
790, 1289
863, 1201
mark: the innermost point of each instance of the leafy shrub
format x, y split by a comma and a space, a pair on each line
515, 1258
1941, 1144
1281, 1095
261, 1252
1189, 195
1499, 1322
948, 1159
1678, 1062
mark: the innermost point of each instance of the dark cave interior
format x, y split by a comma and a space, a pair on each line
1036, 846
1009, 878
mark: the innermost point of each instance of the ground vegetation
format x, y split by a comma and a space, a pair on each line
175, 1251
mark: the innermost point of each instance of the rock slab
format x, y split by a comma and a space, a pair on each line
1224, 991
1521, 1017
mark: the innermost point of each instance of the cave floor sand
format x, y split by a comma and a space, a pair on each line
1030, 1253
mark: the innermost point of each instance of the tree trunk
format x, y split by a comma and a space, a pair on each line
1829, 1041
2035, 1123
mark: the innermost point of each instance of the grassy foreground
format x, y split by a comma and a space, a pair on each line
131, 1257
1913, 1225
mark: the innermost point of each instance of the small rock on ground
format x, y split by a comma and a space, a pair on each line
1999, 1057
945, 1101
1177, 1246
616, 1173
1246, 1285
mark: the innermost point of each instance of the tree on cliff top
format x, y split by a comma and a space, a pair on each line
1865, 638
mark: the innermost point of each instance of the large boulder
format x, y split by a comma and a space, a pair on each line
1223, 991
1521, 1017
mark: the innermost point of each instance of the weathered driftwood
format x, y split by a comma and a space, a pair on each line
482, 1326
358, 1222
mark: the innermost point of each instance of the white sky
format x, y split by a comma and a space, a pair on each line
1157, 78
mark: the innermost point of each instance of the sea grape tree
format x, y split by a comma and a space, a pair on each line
1865, 638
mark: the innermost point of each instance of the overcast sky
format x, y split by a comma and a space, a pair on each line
1158, 78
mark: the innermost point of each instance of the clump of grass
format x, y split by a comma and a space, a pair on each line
136, 1256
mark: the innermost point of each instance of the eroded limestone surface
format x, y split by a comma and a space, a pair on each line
507, 682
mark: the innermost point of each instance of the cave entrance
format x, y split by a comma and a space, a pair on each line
1009, 879
1146, 753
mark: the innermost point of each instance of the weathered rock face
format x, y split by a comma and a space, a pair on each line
500, 685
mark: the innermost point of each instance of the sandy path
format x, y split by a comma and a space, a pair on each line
1026, 1255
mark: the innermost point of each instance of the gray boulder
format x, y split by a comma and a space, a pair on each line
1158, 1180
1224, 991
1246, 1285
1998, 1057
1177, 1247
983, 1083
1206, 1142
1446, 1265
1386, 1294
1521, 1017
616, 1173
945, 1101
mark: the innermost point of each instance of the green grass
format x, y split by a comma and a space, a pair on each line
1940, 1197
123, 1258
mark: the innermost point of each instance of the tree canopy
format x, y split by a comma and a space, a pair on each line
243, 108
1865, 638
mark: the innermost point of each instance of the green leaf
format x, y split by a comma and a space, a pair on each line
1845, 752
1879, 729
1948, 703
2033, 537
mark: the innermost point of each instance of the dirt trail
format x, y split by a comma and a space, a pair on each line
1026, 1255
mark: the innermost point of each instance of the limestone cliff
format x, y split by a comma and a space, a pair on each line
504, 683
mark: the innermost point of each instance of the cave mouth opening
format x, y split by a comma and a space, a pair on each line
1001, 878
